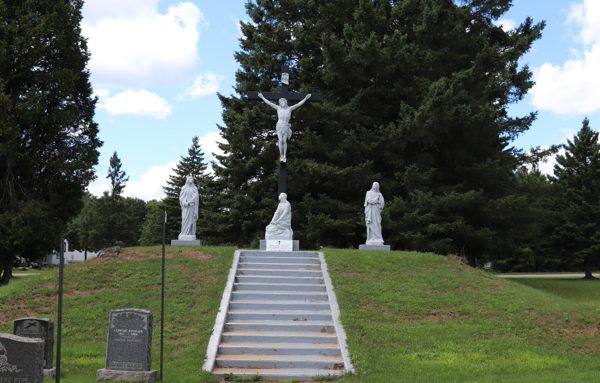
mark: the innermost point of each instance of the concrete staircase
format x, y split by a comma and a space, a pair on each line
279, 319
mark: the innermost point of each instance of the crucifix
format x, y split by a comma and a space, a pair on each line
284, 114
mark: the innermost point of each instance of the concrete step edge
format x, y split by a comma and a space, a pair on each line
301, 358
284, 322
280, 345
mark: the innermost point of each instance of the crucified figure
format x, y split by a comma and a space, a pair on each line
283, 127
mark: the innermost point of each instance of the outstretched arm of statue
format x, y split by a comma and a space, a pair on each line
301, 102
267, 101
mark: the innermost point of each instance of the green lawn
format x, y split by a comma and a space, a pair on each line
414, 317
575, 289
409, 317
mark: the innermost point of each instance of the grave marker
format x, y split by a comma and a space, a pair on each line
21, 359
41, 328
129, 347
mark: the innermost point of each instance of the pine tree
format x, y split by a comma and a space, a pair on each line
48, 139
193, 164
153, 223
415, 97
576, 236
111, 219
117, 177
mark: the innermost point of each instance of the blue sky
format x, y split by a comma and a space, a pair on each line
156, 66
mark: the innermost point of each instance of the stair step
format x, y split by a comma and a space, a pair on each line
279, 327
250, 337
283, 361
278, 374
284, 280
279, 296
295, 254
279, 315
277, 287
281, 266
270, 305
278, 349
280, 273
279, 260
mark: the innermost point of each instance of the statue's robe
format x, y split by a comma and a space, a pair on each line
189, 214
281, 224
373, 206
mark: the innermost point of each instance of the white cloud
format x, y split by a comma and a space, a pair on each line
101, 93
548, 166
210, 142
587, 16
506, 24
572, 88
140, 103
130, 42
204, 85
148, 187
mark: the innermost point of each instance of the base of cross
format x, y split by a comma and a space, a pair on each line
282, 178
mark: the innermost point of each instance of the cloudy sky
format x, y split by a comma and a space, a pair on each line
156, 66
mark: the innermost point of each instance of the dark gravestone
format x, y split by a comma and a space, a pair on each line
21, 359
129, 347
41, 328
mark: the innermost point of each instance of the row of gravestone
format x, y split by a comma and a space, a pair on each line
26, 355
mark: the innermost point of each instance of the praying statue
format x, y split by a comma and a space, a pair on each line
283, 127
189, 200
373, 206
281, 224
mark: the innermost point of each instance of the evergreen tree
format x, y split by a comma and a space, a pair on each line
415, 97
48, 139
192, 164
153, 223
111, 219
576, 236
118, 177
78, 233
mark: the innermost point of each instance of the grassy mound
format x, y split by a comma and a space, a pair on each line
409, 317
413, 317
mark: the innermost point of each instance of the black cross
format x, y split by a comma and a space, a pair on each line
315, 97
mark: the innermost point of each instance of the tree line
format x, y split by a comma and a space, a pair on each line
415, 96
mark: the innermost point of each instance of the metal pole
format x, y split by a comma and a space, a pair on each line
61, 282
162, 301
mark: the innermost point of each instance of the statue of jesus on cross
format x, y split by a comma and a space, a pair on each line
283, 127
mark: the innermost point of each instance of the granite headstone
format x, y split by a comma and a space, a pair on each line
21, 359
129, 347
42, 328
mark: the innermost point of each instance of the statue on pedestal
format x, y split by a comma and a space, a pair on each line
373, 206
281, 224
189, 200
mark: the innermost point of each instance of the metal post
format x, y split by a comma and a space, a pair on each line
61, 282
162, 301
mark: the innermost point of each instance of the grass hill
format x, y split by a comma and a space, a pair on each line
409, 317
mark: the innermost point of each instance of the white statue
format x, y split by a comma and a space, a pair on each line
373, 206
189, 200
283, 127
281, 224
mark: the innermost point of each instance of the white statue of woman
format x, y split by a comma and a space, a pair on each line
281, 224
373, 206
189, 200
283, 127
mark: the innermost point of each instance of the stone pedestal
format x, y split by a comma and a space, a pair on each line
176, 242
374, 246
50, 372
279, 244
137, 376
